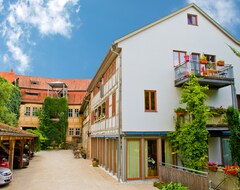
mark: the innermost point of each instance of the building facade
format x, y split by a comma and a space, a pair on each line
35, 89
137, 87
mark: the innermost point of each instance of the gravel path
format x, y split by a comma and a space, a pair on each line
50, 170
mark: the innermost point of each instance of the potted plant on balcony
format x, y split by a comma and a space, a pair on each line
186, 57
220, 63
213, 166
203, 59
180, 111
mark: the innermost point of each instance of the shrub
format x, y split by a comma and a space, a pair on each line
174, 186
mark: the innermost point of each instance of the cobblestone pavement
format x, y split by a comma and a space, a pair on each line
50, 170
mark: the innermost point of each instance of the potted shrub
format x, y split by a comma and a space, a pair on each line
180, 111
213, 166
220, 63
203, 59
95, 162
217, 111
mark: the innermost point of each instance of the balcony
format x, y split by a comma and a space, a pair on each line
218, 77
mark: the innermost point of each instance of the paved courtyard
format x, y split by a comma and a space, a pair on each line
59, 170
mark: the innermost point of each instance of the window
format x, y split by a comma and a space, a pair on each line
150, 100
70, 112
76, 113
71, 131
34, 111
27, 113
32, 93
34, 82
114, 104
77, 132
178, 57
192, 19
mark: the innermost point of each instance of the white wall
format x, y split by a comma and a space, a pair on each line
147, 64
214, 150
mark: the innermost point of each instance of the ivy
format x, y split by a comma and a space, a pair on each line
234, 127
54, 130
190, 138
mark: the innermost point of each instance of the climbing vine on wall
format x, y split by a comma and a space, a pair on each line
190, 139
53, 121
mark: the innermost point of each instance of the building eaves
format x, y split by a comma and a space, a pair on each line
192, 5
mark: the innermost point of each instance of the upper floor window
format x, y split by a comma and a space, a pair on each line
27, 113
178, 57
76, 113
34, 111
114, 104
32, 93
150, 100
192, 19
34, 82
70, 112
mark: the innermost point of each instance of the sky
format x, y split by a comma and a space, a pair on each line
70, 38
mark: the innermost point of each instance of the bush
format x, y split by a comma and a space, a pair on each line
174, 186
158, 184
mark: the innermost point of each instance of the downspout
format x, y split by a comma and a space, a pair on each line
119, 114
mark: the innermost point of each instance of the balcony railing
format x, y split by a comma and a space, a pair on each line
218, 77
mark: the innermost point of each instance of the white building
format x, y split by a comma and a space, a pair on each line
137, 87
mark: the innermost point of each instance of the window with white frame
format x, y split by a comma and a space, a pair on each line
77, 132
28, 110
70, 112
76, 113
71, 131
34, 111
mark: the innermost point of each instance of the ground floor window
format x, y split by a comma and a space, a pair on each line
133, 159
227, 156
150, 155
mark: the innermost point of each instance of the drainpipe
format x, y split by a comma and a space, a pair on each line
119, 114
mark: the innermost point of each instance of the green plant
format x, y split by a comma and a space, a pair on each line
203, 57
190, 138
210, 65
158, 184
217, 110
174, 186
180, 109
234, 127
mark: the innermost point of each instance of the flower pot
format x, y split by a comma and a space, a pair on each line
220, 63
202, 61
180, 113
186, 57
95, 163
152, 172
213, 168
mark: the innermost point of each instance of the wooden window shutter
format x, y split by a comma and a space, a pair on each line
107, 107
114, 104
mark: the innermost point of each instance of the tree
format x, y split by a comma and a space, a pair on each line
234, 127
10, 102
190, 138
53, 121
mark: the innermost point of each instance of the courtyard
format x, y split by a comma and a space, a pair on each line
58, 169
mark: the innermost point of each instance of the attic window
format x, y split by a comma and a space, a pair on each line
34, 82
192, 19
32, 93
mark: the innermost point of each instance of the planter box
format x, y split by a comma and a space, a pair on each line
203, 61
213, 168
220, 63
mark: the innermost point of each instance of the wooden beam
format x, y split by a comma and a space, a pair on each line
4, 147
11, 153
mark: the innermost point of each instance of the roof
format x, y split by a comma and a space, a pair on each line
192, 5
10, 131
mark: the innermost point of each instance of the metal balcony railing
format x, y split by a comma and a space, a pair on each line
218, 77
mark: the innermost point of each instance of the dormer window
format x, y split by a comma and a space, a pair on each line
192, 19
34, 82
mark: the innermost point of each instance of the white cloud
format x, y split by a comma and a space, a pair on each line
49, 17
225, 12
1, 5
5, 58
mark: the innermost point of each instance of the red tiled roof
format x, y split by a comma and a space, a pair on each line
39, 86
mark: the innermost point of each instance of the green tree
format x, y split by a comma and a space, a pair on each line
54, 121
190, 138
234, 127
40, 140
10, 102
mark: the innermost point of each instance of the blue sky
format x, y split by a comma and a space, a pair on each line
69, 38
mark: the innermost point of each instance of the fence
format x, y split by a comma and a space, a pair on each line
193, 179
